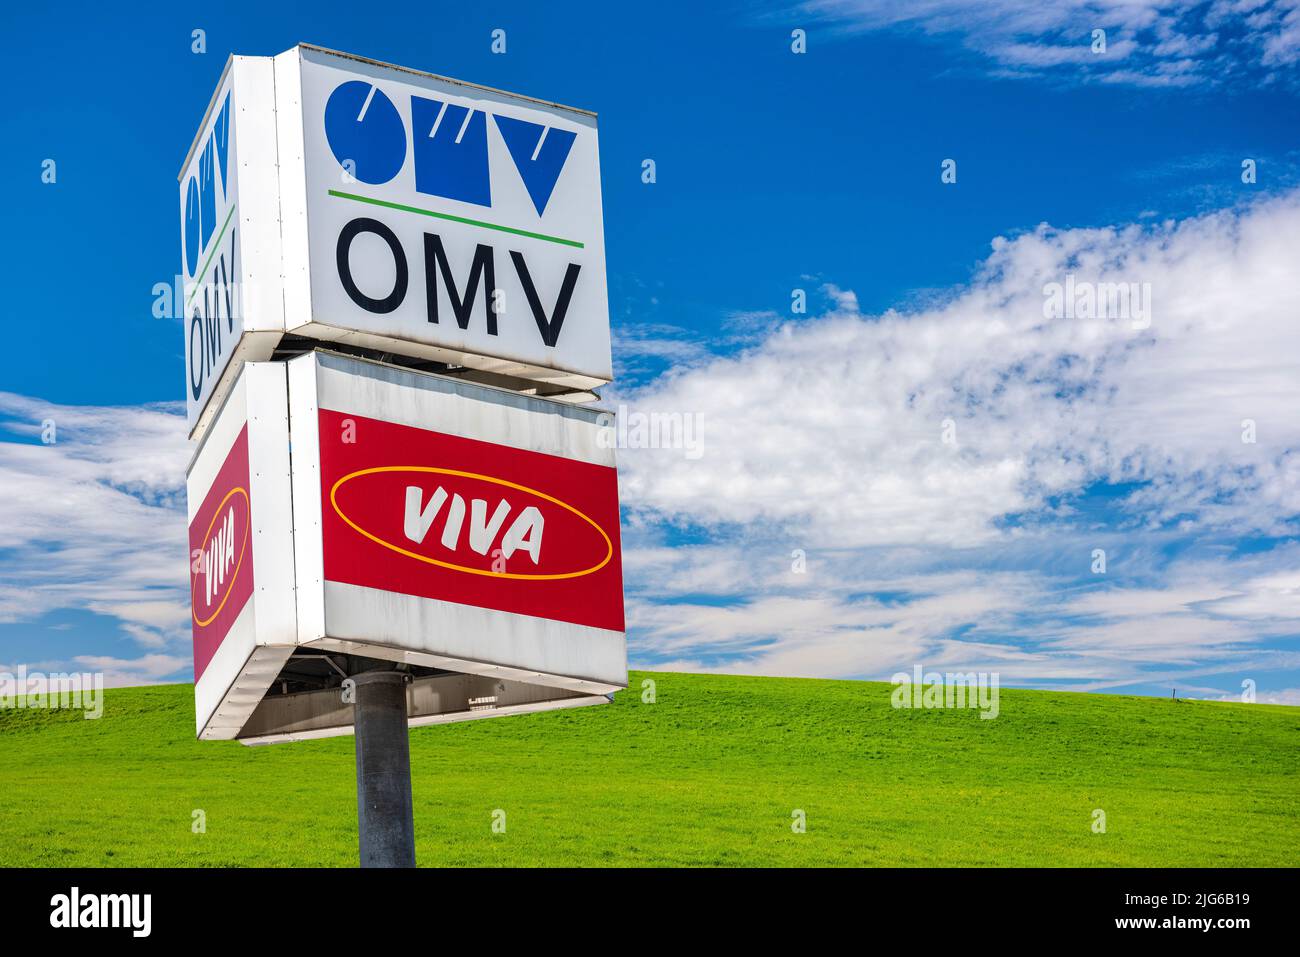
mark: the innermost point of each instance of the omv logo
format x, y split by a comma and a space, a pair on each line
201, 190
449, 145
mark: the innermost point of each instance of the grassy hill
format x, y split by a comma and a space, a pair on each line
708, 775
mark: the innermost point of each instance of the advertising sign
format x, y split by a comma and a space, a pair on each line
221, 560
469, 534
453, 216
341, 200
242, 612
439, 516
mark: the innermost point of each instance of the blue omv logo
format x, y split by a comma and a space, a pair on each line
367, 135
201, 190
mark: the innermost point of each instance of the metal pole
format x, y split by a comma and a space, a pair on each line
385, 824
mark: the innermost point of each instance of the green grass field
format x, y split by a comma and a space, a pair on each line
708, 775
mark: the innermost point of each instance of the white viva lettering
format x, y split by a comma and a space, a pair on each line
524, 533
219, 556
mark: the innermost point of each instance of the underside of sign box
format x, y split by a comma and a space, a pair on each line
346, 514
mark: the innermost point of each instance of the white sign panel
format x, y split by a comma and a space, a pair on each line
209, 198
465, 533
229, 290
243, 619
453, 216
347, 201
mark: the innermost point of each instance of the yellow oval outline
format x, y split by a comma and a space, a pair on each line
609, 545
242, 548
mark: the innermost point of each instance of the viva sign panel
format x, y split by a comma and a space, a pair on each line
391, 279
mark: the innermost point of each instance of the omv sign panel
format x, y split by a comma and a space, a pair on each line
346, 201
460, 220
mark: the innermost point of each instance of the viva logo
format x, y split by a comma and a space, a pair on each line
225, 544
449, 145
471, 523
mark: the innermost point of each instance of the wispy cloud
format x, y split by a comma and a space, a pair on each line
1148, 43
1037, 408
949, 472
93, 518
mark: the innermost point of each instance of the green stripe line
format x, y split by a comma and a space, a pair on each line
455, 219
198, 282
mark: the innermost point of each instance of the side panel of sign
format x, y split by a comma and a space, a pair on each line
221, 560
228, 293
221, 565
210, 261
241, 550
455, 217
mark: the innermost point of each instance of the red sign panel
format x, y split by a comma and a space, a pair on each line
440, 516
221, 555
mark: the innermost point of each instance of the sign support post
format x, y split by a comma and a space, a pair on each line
385, 821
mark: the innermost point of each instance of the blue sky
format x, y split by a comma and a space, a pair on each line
775, 171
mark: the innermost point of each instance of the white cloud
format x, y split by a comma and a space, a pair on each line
835, 426
828, 436
116, 672
1288, 696
130, 672
1171, 43
95, 520
864, 614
